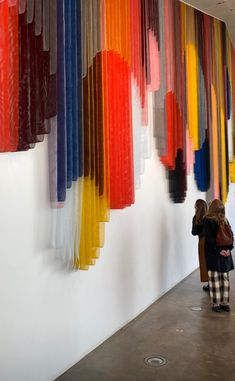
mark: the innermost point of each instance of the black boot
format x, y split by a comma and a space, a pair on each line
206, 287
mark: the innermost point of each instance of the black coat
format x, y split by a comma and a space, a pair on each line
214, 260
197, 229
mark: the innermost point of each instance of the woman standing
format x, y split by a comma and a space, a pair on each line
198, 229
218, 257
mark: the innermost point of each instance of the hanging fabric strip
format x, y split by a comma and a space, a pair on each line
61, 106
96, 75
13, 84
4, 77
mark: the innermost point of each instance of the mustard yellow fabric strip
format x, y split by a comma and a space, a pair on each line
192, 78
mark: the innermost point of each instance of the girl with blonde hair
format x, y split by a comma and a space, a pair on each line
218, 256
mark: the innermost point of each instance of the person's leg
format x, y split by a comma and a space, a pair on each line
225, 288
214, 285
202, 263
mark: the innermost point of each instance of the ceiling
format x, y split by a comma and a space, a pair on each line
223, 10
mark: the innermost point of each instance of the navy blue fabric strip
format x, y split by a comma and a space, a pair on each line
61, 116
69, 85
202, 167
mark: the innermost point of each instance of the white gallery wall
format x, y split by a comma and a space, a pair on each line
50, 317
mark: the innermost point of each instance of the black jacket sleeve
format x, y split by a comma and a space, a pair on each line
230, 247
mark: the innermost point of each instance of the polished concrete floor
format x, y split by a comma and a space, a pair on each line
199, 345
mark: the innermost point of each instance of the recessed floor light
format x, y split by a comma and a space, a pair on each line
155, 361
196, 308
180, 330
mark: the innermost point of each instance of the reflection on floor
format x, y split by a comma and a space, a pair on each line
198, 344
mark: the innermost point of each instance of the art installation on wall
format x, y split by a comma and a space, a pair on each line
81, 71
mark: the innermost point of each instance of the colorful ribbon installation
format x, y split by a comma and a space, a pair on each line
81, 71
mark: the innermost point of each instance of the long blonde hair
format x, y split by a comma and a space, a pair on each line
216, 211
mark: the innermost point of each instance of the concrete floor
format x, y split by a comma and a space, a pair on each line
198, 345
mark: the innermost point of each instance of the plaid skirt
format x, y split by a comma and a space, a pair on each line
219, 287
